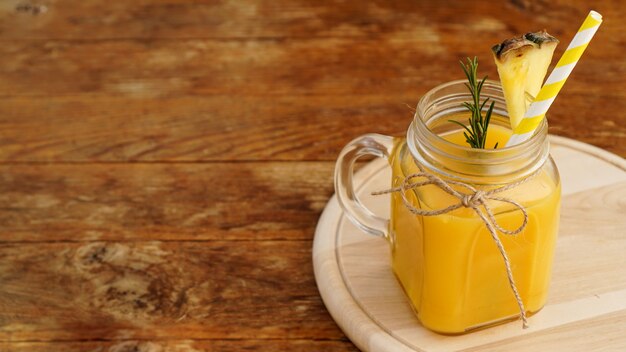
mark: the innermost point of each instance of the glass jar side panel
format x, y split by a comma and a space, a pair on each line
406, 233
488, 294
449, 265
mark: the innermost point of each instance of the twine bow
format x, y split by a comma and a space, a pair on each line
474, 199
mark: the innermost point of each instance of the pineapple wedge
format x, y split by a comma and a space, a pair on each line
522, 64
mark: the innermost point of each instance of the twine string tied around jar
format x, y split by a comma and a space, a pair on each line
475, 199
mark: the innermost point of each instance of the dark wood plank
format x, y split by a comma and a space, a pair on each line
397, 64
219, 201
182, 346
161, 290
165, 68
192, 129
77, 129
94, 19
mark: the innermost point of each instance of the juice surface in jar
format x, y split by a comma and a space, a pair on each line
449, 265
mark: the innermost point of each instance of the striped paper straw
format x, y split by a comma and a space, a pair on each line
537, 110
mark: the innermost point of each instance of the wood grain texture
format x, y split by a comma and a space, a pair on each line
191, 129
94, 19
156, 290
206, 97
181, 346
75, 129
180, 144
173, 202
603, 333
268, 68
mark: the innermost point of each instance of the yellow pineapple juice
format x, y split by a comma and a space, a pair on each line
449, 265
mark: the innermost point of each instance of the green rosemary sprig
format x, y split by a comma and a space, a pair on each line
476, 133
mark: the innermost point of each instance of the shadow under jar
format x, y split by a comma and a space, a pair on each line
449, 265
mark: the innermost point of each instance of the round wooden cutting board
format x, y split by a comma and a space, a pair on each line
586, 308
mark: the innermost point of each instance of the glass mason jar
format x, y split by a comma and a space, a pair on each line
449, 264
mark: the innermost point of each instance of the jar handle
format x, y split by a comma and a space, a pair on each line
368, 144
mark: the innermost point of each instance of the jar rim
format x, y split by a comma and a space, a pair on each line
488, 83
458, 161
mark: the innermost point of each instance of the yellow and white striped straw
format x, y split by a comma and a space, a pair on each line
537, 110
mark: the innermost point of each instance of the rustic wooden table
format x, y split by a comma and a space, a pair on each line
163, 163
